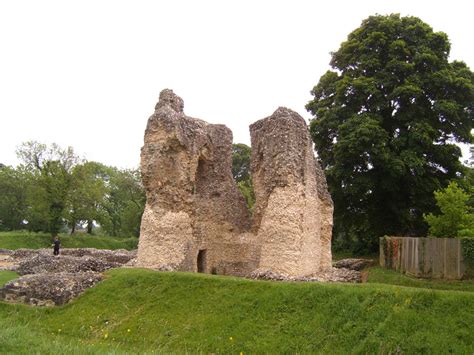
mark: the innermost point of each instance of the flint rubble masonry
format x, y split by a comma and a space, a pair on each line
195, 209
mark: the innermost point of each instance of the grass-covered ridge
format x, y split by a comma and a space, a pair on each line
18, 239
380, 275
138, 310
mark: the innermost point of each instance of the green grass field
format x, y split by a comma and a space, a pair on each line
137, 310
18, 239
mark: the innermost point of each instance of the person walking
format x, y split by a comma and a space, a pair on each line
56, 245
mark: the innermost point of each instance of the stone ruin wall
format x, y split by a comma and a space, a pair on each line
293, 211
195, 218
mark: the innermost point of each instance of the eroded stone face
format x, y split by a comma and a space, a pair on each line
195, 218
293, 211
193, 203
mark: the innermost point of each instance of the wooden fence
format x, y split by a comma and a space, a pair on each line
423, 257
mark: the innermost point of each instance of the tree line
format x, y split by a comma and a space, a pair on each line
53, 190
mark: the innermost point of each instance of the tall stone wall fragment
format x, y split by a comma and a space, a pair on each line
293, 211
192, 200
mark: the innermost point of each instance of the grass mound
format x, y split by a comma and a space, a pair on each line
136, 310
19, 239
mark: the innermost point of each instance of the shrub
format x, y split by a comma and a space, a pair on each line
456, 218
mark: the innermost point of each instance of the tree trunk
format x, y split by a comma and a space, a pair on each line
89, 226
73, 228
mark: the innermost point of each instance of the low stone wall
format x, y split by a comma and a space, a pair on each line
439, 258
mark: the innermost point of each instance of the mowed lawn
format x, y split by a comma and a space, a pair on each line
136, 310
19, 239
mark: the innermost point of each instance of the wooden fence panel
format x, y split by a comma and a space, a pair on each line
423, 257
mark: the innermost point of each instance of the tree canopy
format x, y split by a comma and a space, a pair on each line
241, 154
241, 161
384, 123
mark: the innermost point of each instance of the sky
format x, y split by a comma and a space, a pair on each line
88, 73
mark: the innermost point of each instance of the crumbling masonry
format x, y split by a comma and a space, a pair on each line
195, 218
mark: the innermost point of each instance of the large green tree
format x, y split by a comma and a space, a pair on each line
385, 120
50, 168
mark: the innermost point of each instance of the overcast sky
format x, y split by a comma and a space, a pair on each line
88, 73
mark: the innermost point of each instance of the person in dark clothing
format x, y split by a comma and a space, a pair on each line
56, 245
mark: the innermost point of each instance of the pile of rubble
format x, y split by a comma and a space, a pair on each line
353, 264
47, 264
48, 289
346, 270
54, 280
329, 275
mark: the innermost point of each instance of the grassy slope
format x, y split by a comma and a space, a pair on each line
17, 240
384, 276
177, 312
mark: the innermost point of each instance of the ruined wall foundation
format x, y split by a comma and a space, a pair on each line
195, 218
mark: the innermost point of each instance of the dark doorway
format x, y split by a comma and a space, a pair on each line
201, 261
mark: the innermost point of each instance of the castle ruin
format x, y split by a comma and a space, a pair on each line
196, 219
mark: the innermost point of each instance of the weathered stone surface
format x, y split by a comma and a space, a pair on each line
33, 261
293, 210
53, 279
19, 254
193, 203
353, 264
195, 219
7, 263
328, 275
48, 289
121, 256
63, 263
11, 259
